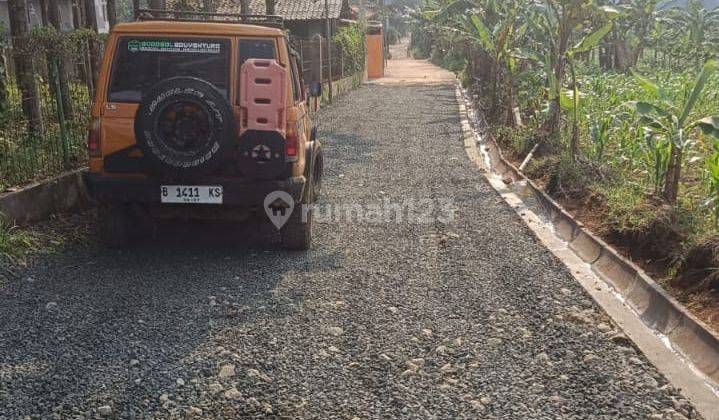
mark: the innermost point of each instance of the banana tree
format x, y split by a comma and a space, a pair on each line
499, 43
586, 44
556, 23
668, 121
696, 27
636, 19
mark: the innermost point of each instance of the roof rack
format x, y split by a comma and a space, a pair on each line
274, 21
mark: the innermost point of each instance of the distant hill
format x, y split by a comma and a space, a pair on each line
708, 4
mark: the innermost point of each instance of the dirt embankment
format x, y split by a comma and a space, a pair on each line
642, 227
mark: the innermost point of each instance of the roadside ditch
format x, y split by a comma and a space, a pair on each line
676, 341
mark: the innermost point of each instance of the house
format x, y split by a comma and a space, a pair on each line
66, 21
303, 18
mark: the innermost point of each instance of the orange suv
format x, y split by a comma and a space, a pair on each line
202, 120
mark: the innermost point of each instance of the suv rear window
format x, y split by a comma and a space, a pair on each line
255, 48
141, 62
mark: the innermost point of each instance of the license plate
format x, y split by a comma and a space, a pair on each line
191, 194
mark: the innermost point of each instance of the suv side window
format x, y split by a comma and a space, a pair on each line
296, 84
142, 62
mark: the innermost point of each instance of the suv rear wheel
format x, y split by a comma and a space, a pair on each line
317, 171
296, 234
114, 224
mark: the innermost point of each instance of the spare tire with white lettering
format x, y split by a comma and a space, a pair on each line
184, 125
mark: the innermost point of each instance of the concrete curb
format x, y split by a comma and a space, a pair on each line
40, 200
655, 307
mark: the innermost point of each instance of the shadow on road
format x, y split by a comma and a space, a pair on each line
80, 324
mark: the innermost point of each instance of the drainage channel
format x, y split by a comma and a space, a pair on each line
684, 349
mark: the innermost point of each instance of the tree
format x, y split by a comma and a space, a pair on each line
697, 29
3, 86
111, 13
24, 66
631, 32
559, 19
499, 43
44, 12
53, 11
94, 50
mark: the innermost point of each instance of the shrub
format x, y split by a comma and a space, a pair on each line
352, 40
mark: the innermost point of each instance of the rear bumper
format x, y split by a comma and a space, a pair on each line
242, 193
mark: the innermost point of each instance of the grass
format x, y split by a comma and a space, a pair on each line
18, 245
628, 209
14, 243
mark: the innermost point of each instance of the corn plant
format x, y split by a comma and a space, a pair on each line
656, 155
712, 168
599, 131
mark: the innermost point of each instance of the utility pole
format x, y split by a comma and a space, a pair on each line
329, 48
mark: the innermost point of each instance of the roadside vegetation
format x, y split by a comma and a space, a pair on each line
351, 39
14, 243
621, 102
46, 81
43, 128
20, 245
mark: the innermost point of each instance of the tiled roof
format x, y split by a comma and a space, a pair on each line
288, 9
291, 9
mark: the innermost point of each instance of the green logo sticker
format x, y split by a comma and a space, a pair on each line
133, 46
174, 46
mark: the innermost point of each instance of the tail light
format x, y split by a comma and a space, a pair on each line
93, 138
291, 140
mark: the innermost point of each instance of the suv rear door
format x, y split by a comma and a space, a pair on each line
140, 62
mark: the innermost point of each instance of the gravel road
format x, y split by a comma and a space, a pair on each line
408, 318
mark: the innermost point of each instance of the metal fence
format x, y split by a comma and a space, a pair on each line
53, 140
316, 63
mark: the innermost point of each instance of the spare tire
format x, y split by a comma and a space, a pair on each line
184, 125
